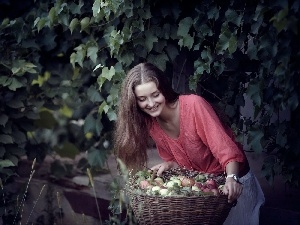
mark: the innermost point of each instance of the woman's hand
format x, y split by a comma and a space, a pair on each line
233, 189
160, 168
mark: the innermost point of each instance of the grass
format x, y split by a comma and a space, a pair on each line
94, 190
20, 207
55, 211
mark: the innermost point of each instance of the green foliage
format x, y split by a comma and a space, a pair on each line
97, 157
62, 63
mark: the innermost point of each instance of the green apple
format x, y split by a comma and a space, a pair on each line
164, 191
174, 178
179, 183
195, 188
155, 188
172, 183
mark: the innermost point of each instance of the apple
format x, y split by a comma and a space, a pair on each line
173, 178
149, 187
179, 183
211, 184
187, 182
206, 190
170, 193
201, 177
155, 188
198, 184
172, 183
164, 191
195, 188
144, 184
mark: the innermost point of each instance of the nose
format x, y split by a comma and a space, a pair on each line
150, 102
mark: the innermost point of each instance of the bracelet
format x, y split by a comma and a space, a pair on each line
234, 176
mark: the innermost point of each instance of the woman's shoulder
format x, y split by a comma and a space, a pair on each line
193, 101
190, 98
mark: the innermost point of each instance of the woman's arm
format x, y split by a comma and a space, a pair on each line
213, 134
232, 187
232, 168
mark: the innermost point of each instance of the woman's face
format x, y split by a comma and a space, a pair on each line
149, 98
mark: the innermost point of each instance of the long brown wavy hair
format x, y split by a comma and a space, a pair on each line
131, 133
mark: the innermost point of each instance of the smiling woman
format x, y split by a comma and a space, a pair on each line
149, 98
152, 101
144, 94
187, 133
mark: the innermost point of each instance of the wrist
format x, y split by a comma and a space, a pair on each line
233, 177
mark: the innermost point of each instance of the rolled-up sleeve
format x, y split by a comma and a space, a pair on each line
213, 134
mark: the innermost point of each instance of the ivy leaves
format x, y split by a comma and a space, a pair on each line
88, 46
15, 79
186, 40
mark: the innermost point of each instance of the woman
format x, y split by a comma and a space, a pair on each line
187, 133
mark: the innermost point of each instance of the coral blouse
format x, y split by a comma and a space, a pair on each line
203, 143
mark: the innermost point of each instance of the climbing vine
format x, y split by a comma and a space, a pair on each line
62, 62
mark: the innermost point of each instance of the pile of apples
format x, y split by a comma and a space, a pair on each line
201, 184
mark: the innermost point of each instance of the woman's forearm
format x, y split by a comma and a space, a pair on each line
232, 186
232, 168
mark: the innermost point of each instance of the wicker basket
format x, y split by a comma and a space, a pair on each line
206, 210
198, 210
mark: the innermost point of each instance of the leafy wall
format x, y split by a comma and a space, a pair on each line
62, 62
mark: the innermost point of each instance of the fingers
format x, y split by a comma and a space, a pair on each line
225, 190
160, 168
233, 190
156, 167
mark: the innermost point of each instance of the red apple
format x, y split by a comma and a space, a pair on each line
206, 190
144, 184
211, 184
187, 182
199, 184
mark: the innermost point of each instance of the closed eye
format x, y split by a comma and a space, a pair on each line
141, 99
156, 94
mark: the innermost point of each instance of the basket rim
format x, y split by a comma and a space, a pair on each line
131, 189
176, 196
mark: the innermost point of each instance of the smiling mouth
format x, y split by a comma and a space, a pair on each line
153, 109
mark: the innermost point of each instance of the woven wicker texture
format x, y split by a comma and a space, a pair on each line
179, 209
206, 210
